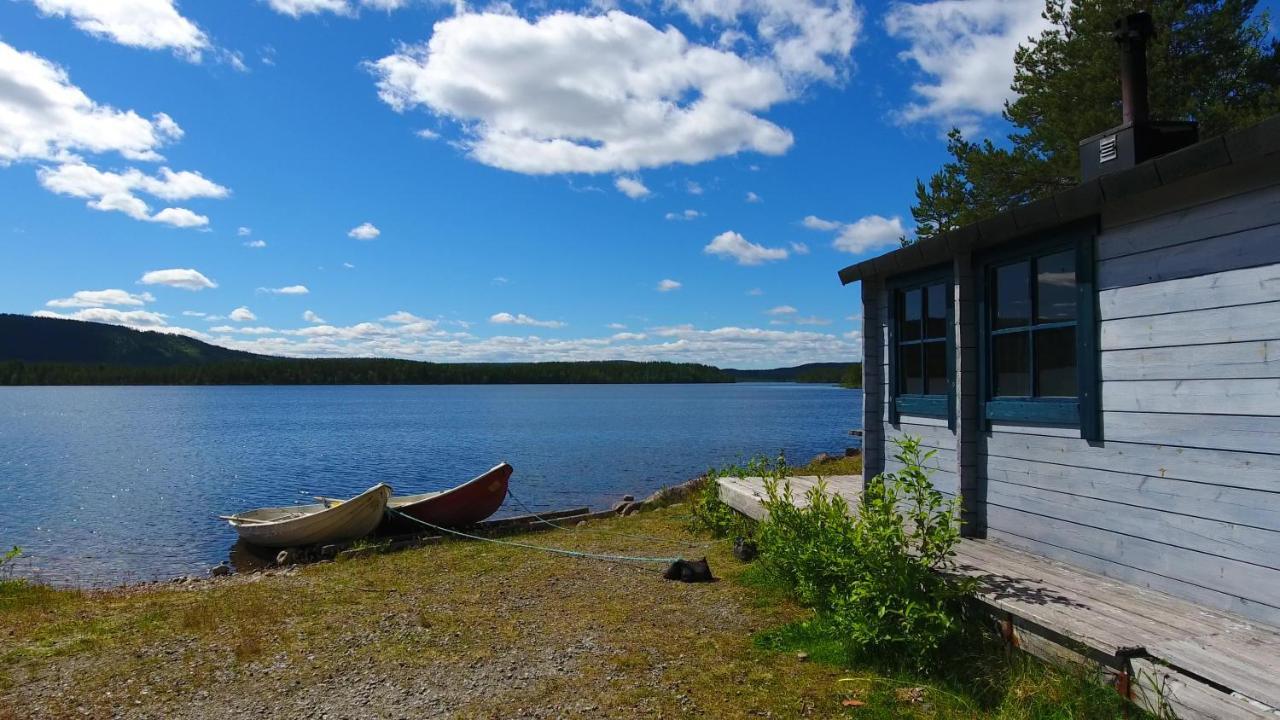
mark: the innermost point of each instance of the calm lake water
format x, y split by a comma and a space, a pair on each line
101, 485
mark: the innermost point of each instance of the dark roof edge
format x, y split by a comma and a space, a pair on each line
1240, 147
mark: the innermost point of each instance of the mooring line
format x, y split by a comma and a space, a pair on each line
544, 548
544, 521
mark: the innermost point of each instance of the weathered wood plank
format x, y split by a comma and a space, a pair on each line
1215, 290
1245, 433
1255, 396
1244, 211
1235, 469
1212, 537
1182, 569
921, 420
1001, 427
1163, 691
1197, 327
1248, 248
935, 436
1259, 359
1198, 499
1244, 664
1208, 597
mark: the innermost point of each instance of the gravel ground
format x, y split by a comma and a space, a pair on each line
454, 630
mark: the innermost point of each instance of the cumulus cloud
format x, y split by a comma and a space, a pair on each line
667, 285
311, 317
869, 233
734, 246
799, 248
505, 318
256, 244
101, 298
364, 231
185, 278
965, 51
299, 8
692, 187
287, 290
781, 310
812, 320
410, 324
631, 187
111, 316
243, 231
242, 314
48, 118
753, 198
150, 24
686, 215
110, 191
585, 93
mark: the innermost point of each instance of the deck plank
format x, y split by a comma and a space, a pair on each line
1247, 665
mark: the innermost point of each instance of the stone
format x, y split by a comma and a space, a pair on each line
222, 569
582, 523
628, 498
821, 458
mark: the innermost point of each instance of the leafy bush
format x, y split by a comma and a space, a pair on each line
711, 514
874, 576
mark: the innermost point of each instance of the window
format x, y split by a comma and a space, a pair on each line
921, 345
1038, 335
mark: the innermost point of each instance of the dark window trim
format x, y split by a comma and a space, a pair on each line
1083, 411
934, 406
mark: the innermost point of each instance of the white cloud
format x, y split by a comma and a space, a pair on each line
631, 187
869, 233
110, 191
781, 310
311, 317
242, 314
626, 336
730, 244
668, 285
692, 187
807, 39
427, 134
500, 280
616, 326
686, 215
965, 49
256, 244
364, 231
243, 231
111, 316
812, 320
403, 317
799, 248
185, 278
579, 93
287, 290
102, 298
504, 318
151, 24
348, 266
299, 8
753, 198
45, 117
755, 292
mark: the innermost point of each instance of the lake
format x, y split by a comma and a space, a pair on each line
102, 485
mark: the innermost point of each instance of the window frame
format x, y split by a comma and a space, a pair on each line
920, 405
1083, 410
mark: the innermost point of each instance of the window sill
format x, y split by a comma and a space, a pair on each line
1046, 410
923, 406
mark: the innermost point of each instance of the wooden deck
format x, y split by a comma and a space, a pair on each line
1200, 663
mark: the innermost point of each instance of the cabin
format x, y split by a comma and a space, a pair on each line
1099, 375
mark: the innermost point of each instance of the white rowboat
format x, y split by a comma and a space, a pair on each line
300, 525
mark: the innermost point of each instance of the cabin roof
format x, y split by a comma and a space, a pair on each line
1240, 147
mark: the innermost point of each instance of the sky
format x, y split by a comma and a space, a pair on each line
674, 180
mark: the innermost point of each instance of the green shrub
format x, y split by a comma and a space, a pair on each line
873, 576
712, 515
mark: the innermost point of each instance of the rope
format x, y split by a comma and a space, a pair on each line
559, 551
545, 521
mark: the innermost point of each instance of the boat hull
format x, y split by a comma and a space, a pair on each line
466, 504
300, 525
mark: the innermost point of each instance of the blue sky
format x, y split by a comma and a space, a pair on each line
409, 178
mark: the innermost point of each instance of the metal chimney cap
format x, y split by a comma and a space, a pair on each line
1137, 26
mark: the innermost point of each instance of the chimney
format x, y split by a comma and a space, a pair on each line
1138, 138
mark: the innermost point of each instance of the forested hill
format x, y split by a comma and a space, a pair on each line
40, 340
49, 351
848, 374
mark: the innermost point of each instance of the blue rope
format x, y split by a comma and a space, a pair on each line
560, 551
544, 521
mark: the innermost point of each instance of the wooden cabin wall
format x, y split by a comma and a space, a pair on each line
1183, 492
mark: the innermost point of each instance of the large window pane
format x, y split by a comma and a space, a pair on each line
911, 372
1013, 295
1056, 287
1056, 362
909, 324
1011, 364
935, 368
935, 318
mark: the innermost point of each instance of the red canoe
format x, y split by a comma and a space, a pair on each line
466, 504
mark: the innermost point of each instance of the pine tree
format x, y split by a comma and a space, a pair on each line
1210, 62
